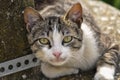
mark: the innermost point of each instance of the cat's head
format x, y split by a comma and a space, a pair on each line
54, 40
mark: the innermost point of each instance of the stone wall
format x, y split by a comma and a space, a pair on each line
13, 38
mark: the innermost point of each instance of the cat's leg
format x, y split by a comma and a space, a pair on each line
107, 65
53, 72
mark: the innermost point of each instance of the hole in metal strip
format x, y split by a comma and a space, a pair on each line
26, 62
34, 60
2, 69
18, 64
10, 67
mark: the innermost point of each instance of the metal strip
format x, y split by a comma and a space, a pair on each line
18, 64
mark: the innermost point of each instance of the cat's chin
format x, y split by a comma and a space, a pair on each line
56, 62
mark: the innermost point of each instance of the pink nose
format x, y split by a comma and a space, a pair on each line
57, 54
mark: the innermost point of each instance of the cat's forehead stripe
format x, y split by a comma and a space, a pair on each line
48, 25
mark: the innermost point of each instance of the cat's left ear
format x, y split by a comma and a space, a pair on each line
30, 17
75, 14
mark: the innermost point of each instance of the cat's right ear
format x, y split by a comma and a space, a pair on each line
75, 14
30, 17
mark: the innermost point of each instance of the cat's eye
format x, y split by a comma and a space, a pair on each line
67, 39
44, 41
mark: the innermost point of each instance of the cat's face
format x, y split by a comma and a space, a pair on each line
54, 40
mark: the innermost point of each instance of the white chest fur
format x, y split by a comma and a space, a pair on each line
90, 45
88, 54
84, 58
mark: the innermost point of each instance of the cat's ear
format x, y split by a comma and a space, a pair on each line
30, 17
75, 13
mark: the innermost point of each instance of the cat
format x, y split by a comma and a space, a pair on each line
68, 40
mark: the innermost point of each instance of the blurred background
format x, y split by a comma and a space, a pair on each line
115, 3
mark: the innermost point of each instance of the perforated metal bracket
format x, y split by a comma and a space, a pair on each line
18, 64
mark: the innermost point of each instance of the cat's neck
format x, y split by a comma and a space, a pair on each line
90, 51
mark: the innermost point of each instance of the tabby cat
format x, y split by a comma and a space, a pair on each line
66, 41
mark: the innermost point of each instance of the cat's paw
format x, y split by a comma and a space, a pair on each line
100, 76
53, 72
105, 73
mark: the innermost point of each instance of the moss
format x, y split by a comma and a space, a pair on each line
13, 38
28, 3
12, 29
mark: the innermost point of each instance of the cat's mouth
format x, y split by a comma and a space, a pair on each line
58, 62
